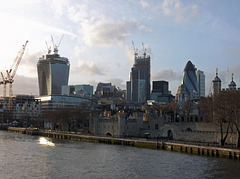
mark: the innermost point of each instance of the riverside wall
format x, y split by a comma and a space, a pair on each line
143, 143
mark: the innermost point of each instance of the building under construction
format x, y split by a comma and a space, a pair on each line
53, 73
138, 88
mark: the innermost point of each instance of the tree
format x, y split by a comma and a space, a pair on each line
172, 108
222, 109
186, 108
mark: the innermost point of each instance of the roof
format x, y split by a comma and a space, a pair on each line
189, 66
217, 79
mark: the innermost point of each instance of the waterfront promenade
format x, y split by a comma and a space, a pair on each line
191, 148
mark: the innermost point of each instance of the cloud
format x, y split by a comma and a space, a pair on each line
166, 74
25, 85
108, 33
179, 12
87, 68
144, 4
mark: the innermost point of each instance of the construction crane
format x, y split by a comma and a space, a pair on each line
144, 50
135, 50
4, 82
12, 71
55, 47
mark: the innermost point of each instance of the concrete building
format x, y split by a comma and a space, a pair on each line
140, 80
53, 73
23, 109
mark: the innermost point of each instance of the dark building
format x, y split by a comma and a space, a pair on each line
160, 92
139, 80
160, 87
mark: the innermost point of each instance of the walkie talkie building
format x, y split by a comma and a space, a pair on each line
53, 73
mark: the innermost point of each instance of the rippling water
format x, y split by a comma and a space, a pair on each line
24, 156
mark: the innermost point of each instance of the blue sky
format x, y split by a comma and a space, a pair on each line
98, 37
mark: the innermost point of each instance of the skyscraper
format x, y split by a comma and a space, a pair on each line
201, 83
193, 84
53, 73
140, 80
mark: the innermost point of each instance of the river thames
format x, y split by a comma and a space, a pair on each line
24, 156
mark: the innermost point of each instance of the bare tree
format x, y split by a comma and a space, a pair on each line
222, 110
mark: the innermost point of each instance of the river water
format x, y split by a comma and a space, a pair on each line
24, 156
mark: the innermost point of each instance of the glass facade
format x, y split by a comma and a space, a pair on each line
190, 80
140, 80
53, 73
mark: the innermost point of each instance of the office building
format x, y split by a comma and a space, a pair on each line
53, 73
201, 83
139, 80
193, 84
160, 92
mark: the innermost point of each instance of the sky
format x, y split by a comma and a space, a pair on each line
98, 36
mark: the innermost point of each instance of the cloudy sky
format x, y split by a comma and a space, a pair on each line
98, 37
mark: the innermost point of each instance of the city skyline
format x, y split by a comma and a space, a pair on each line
98, 39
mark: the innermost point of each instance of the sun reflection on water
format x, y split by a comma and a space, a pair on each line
44, 141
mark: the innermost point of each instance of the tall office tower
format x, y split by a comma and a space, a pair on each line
216, 84
190, 80
53, 73
128, 87
160, 87
201, 83
140, 79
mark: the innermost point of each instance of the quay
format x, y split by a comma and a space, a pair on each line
151, 144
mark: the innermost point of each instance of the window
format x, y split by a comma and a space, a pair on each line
156, 126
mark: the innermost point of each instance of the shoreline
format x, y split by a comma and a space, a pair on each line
211, 151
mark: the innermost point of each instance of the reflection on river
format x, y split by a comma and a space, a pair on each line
24, 156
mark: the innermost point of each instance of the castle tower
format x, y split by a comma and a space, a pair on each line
216, 84
232, 85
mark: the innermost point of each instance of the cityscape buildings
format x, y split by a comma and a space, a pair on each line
53, 73
193, 84
160, 92
138, 88
80, 90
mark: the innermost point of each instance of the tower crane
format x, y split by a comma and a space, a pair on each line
135, 50
55, 47
12, 71
4, 82
144, 50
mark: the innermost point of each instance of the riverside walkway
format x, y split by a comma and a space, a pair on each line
198, 149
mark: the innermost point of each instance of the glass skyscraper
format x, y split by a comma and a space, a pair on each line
53, 73
190, 80
193, 84
138, 88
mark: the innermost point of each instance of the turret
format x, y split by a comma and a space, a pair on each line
216, 84
232, 85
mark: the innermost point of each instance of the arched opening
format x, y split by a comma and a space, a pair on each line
170, 134
189, 129
108, 134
